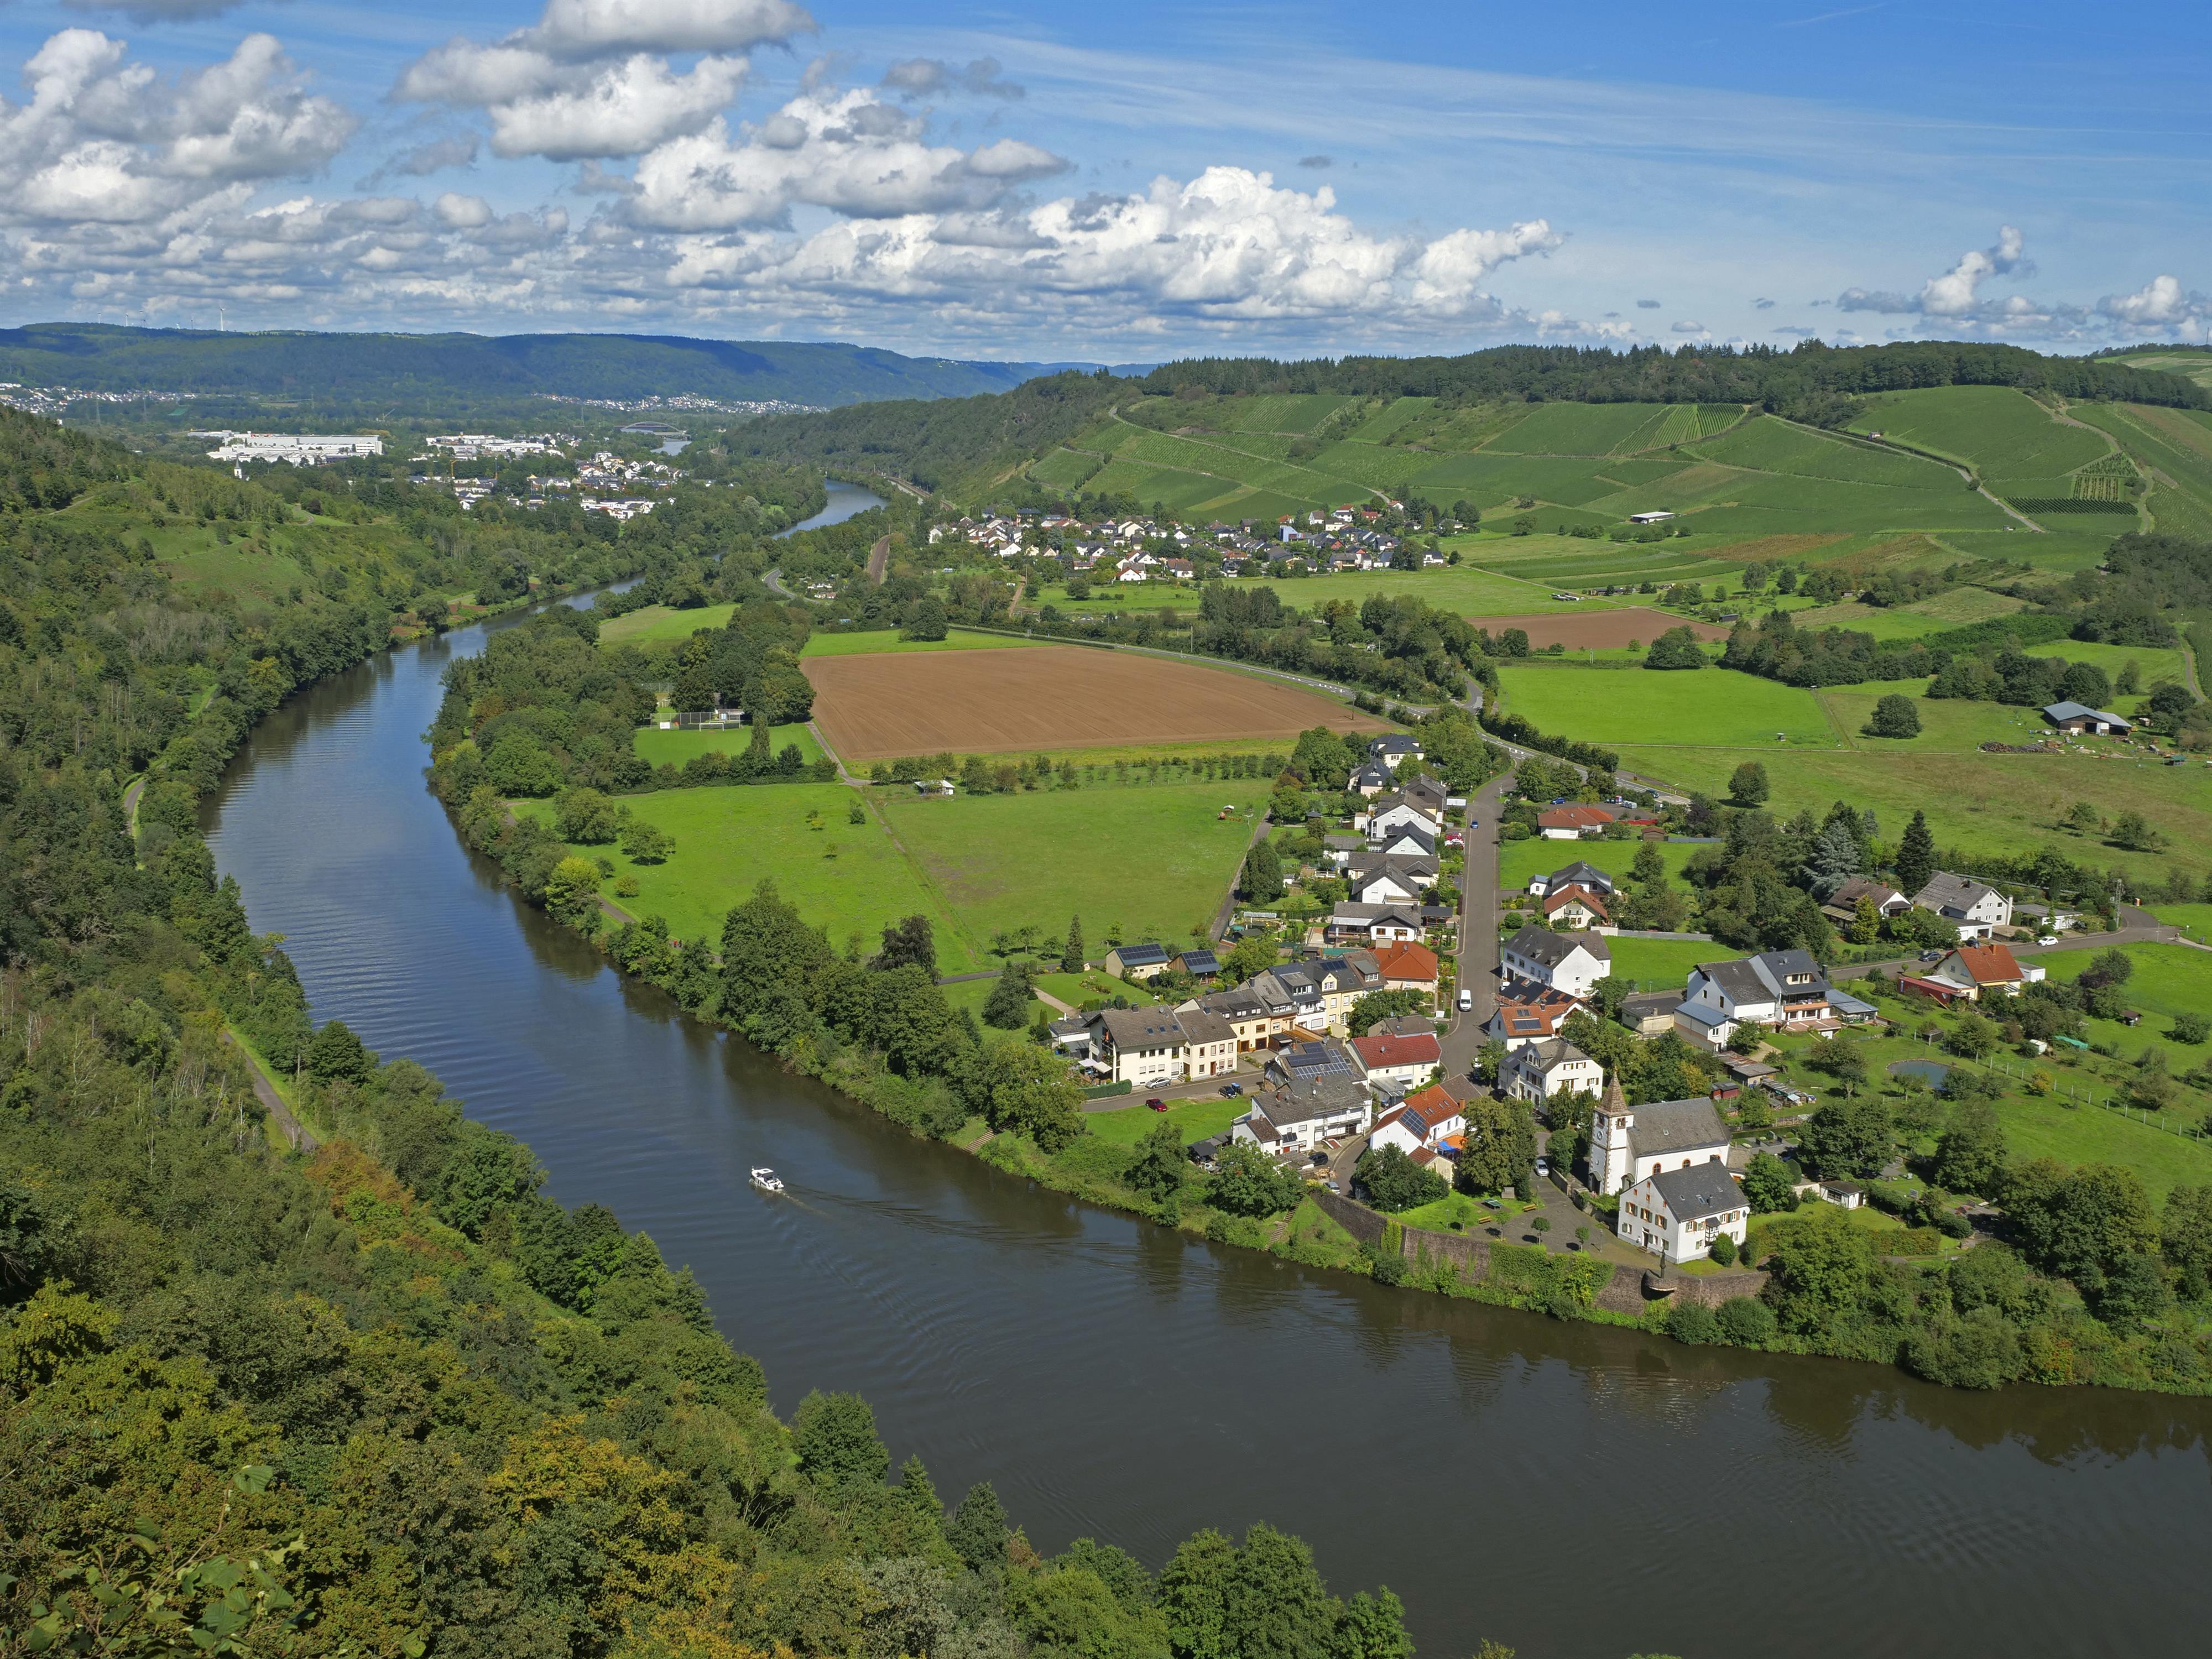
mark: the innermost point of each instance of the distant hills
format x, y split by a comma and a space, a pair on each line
417, 373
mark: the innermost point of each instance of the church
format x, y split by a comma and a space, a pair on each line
1629, 1143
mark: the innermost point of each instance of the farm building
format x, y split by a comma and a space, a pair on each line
2080, 719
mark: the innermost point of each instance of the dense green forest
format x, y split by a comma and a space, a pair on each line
420, 373
388, 1399
1757, 374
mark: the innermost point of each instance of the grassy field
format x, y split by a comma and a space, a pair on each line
674, 748
1945, 722
1092, 985
870, 644
656, 624
1194, 1119
1663, 964
1155, 861
1956, 609
2168, 980
2000, 803
1519, 861
845, 877
1704, 707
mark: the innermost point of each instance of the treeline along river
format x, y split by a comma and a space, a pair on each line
1570, 1489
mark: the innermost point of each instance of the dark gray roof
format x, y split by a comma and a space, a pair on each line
1304, 1059
1663, 1127
1200, 962
1136, 1029
1946, 893
1541, 944
1649, 1004
1739, 980
1140, 956
1299, 1101
1203, 1026
1703, 1189
1588, 875
1395, 743
2074, 711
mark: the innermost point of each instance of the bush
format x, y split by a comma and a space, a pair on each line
1746, 1322
1386, 1269
1895, 716
1723, 1249
1693, 1323
2191, 1028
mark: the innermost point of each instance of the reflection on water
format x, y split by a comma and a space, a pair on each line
1569, 1488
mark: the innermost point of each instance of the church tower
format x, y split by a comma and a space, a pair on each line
1610, 1163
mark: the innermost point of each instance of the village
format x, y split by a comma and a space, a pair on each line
1141, 547
1362, 1049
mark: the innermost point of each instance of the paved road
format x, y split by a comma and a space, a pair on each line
1477, 942
2147, 932
775, 580
271, 1102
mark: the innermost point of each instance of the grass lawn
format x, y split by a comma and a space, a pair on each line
674, 748
2168, 980
1949, 723
1664, 965
1465, 590
1194, 1119
854, 645
1155, 861
1473, 1218
2195, 920
2002, 803
1092, 985
844, 878
656, 624
1701, 707
1521, 861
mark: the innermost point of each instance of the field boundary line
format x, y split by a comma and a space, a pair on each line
927, 882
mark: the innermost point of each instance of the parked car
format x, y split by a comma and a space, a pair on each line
1156, 1103
2047, 938
1933, 955
1232, 1090
1466, 998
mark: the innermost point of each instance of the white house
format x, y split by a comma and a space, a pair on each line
1629, 1143
1580, 873
1397, 1063
1566, 961
1681, 1211
1419, 1123
1395, 812
1298, 1116
1394, 749
1783, 990
1536, 1071
1141, 1046
1977, 908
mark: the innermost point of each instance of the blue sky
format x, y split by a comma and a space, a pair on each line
1120, 181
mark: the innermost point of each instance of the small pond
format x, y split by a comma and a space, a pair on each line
1929, 1071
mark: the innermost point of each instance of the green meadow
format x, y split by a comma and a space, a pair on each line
1519, 862
846, 878
1704, 707
674, 748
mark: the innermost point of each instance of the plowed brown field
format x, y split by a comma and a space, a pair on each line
1598, 629
1061, 697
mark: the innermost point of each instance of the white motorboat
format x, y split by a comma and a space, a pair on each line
768, 1180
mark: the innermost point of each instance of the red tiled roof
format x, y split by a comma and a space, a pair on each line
1989, 964
1407, 960
1575, 893
1381, 1053
1573, 817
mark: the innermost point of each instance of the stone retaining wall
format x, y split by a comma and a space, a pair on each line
1624, 1293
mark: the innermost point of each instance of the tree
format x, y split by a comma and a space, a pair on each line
1675, 649
1245, 1181
835, 1435
2132, 830
1851, 1138
2185, 1238
977, 1531
336, 1055
1866, 921
1748, 785
572, 887
1500, 1150
1915, 856
1394, 1181
1835, 860
912, 940
1161, 1164
1649, 867
927, 620
1071, 955
646, 843
1376, 1006
1723, 1249
1895, 716
1969, 1153
1263, 872
1021, 1089
1007, 1008
1821, 1263
1768, 1184
1253, 954
2082, 819
2078, 1222
855, 813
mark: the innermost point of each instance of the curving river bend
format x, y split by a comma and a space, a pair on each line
1571, 1490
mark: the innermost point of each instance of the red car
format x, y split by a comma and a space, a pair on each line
1156, 1103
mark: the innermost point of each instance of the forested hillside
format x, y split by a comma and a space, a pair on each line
388, 1399
421, 371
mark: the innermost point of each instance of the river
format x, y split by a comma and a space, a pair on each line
1578, 1491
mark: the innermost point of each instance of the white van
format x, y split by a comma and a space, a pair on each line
1466, 998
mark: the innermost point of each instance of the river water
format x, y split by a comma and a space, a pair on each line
1571, 1490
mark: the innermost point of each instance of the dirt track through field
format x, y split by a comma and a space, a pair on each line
1597, 629
881, 707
